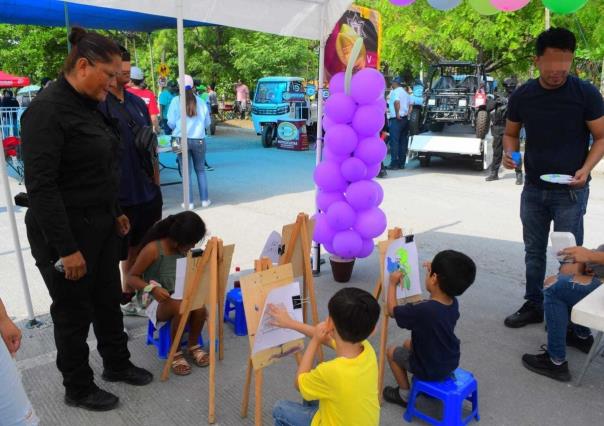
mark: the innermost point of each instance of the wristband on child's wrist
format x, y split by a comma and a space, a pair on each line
149, 287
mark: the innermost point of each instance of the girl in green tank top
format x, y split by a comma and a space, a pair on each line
154, 273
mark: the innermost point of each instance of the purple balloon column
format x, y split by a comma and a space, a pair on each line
348, 197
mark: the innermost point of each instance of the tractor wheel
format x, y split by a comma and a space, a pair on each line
424, 160
415, 121
482, 124
268, 133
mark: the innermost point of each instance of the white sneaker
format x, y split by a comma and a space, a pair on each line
191, 206
206, 203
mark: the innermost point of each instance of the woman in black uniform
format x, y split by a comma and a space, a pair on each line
70, 153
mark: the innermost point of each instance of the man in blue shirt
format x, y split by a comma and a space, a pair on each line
399, 108
165, 98
558, 112
140, 196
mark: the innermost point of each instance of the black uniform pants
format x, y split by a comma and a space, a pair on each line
498, 153
94, 299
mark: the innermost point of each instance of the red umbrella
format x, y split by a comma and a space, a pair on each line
7, 80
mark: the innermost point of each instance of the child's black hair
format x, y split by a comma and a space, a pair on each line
354, 313
556, 38
455, 272
184, 228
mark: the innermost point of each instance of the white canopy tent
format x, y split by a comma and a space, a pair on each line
308, 19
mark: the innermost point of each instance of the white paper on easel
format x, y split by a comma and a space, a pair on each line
402, 256
268, 336
271, 247
179, 284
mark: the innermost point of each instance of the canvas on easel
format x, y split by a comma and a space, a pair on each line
205, 282
394, 235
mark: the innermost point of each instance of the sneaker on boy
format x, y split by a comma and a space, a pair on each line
346, 386
432, 353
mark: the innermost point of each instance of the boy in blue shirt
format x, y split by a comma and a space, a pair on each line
432, 353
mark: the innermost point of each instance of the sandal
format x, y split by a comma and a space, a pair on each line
180, 366
200, 357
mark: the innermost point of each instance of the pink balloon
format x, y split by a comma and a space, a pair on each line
362, 195
326, 199
323, 232
367, 249
341, 139
402, 2
336, 84
347, 244
509, 5
340, 108
367, 85
341, 216
327, 176
370, 223
367, 120
371, 150
373, 170
330, 156
327, 122
353, 169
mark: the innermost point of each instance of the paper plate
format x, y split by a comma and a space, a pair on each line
555, 178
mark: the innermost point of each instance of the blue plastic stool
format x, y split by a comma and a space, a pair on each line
452, 392
234, 302
164, 340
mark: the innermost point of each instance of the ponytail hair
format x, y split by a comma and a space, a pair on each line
184, 228
191, 102
91, 46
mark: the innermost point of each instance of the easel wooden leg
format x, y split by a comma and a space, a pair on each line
175, 345
246, 388
258, 397
382, 357
212, 333
377, 290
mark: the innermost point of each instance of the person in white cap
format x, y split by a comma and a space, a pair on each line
198, 120
137, 87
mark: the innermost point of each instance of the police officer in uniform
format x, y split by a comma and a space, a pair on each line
70, 151
498, 118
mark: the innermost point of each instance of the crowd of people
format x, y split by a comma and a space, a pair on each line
94, 204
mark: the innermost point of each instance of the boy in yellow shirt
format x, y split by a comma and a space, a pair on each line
342, 391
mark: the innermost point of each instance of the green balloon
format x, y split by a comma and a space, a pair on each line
564, 6
483, 7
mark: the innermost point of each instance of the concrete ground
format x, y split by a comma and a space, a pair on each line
255, 191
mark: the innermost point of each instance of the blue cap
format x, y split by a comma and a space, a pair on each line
397, 80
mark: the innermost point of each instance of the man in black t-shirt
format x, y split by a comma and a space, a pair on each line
558, 112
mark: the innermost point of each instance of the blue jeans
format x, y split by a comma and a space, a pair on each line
538, 208
197, 159
289, 413
398, 140
558, 299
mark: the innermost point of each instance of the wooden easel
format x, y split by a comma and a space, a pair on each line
205, 283
393, 234
256, 286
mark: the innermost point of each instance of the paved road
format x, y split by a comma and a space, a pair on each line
256, 190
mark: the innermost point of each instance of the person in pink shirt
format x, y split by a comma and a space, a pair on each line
137, 87
243, 96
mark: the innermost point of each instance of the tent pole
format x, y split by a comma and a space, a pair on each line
316, 261
13, 226
151, 63
67, 25
183, 109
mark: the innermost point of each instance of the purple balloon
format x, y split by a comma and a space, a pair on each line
347, 244
371, 150
323, 232
370, 223
373, 170
367, 249
327, 122
362, 195
336, 84
329, 247
341, 216
367, 85
340, 108
330, 156
326, 199
341, 139
402, 2
380, 104
367, 120
353, 169
327, 176
380, 194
